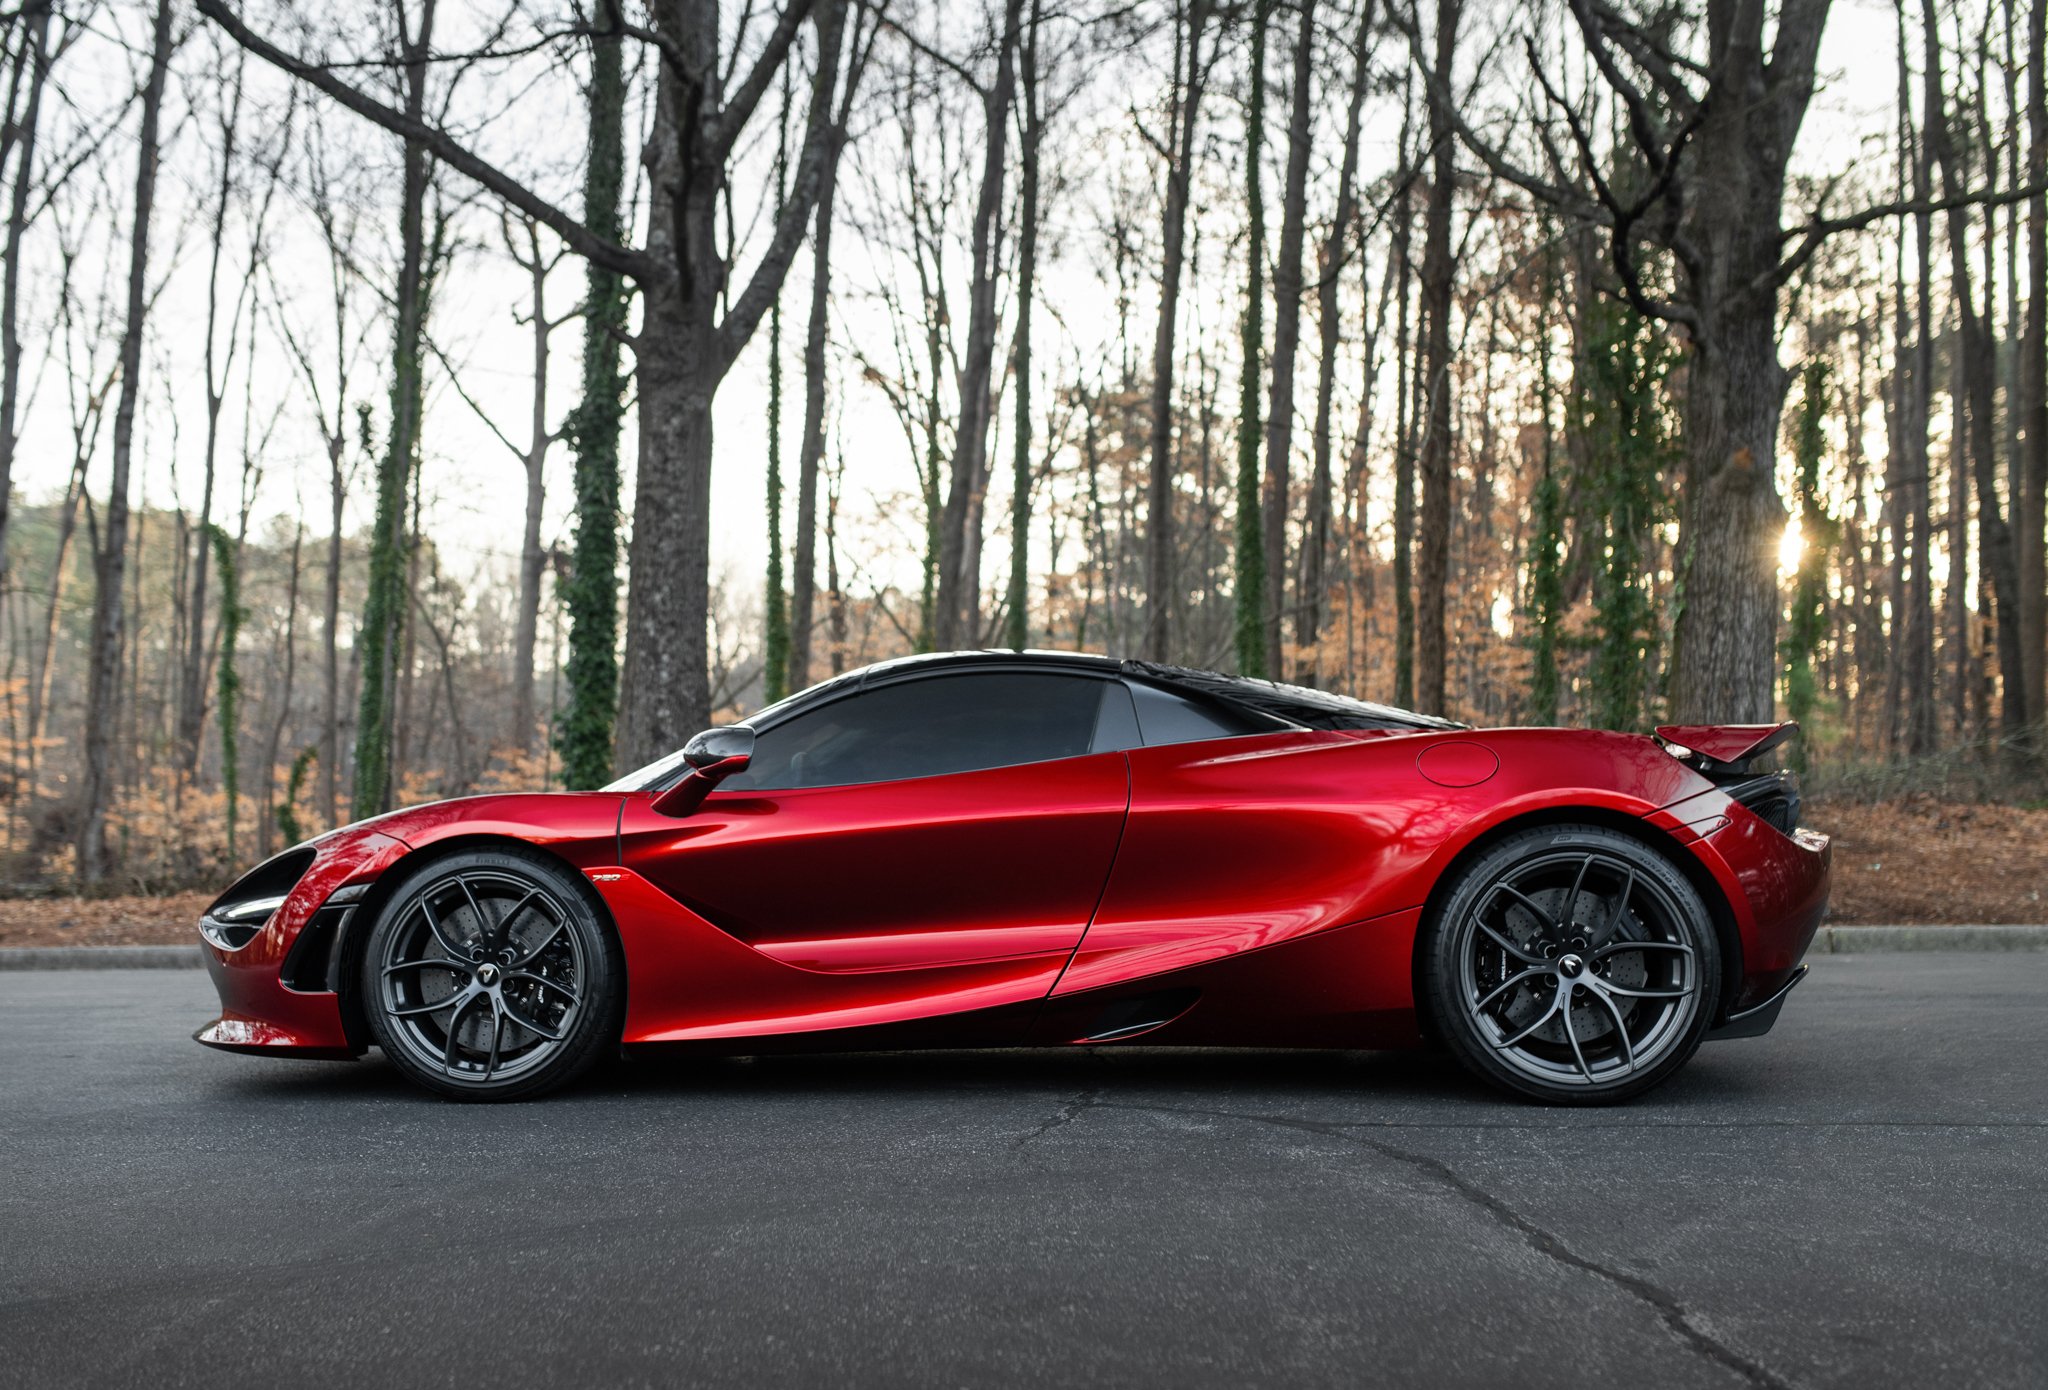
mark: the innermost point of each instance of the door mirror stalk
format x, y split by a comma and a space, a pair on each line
713, 756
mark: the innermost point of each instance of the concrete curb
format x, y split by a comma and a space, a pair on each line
101, 957
1828, 941
1842, 941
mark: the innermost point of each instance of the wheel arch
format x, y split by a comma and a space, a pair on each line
1720, 911
355, 936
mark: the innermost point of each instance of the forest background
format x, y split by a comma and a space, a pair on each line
406, 399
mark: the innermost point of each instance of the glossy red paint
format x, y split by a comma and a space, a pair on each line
1266, 889
259, 1013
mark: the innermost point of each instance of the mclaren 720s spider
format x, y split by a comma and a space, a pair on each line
1045, 849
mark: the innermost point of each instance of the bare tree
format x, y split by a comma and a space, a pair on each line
1031, 139
812, 449
1438, 270
693, 328
1275, 506
37, 52
2033, 376
1978, 368
1330, 261
338, 223
540, 438
1191, 77
110, 557
959, 588
1715, 133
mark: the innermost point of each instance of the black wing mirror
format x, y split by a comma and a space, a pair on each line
713, 756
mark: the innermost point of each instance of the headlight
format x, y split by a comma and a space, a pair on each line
240, 913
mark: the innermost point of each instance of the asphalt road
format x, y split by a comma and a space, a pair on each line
1859, 1199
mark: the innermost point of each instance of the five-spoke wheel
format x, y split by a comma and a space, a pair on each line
1572, 963
488, 974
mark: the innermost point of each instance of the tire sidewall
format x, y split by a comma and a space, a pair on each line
597, 1029
1448, 925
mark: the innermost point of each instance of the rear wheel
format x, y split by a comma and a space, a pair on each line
1573, 964
489, 976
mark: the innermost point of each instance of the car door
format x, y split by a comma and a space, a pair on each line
910, 836
1242, 832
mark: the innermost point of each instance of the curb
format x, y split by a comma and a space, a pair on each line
1828, 941
1841, 941
101, 957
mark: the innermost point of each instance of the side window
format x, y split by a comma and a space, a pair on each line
929, 727
1167, 717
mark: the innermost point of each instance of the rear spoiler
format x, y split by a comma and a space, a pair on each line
1725, 746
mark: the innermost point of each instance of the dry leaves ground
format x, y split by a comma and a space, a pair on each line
1926, 861
1912, 861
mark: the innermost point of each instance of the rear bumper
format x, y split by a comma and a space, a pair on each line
1777, 891
1756, 1021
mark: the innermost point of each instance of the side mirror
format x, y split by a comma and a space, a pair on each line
713, 756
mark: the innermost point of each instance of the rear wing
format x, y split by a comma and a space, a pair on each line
1724, 747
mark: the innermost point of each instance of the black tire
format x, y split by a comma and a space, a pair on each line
1572, 964
491, 975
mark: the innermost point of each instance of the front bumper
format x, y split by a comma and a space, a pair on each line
261, 1012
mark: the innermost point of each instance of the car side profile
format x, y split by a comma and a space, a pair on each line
1047, 849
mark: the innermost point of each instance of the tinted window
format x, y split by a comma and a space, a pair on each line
928, 728
1165, 717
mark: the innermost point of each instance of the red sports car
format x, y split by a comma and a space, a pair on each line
1042, 849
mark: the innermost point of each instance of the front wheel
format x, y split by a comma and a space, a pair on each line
490, 976
1572, 964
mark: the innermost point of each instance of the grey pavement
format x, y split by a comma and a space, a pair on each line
1858, 1199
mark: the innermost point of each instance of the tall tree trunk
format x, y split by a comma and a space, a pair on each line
229, 704
330, 631
2033, 376
1913, 482
811, 452
192, 688
1407, 379
958, 587
103, 706
775, 599
533, 558
384, 613
667, 694
1019, 595
1315, 542
1191, 77
583, 734
1275, 505
281, 716
1977, 413
1438, 272
1251, 534
34, 52
692, 332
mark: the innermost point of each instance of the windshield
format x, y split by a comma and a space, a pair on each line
643, 778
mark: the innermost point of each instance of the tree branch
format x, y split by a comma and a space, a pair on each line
746, 312
740, 109
625, 261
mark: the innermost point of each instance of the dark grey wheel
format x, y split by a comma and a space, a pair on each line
490, 976
1572, 963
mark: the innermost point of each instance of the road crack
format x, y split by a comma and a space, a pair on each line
1670, 1310
1064, 1116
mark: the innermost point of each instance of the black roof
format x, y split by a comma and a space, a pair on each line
1293, 704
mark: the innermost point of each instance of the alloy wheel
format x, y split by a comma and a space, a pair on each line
1576, 969
483, 978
